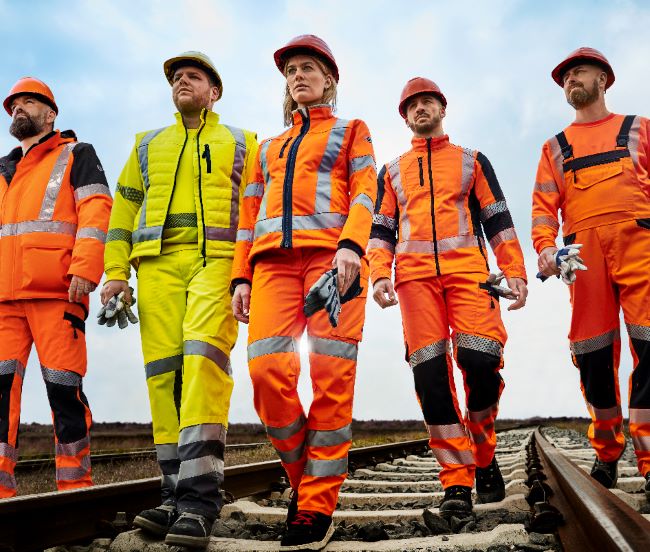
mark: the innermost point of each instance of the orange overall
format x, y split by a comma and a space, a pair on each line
55, 205
313, 191
597, 174
435, 201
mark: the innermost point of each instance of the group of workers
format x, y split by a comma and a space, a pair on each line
284, 237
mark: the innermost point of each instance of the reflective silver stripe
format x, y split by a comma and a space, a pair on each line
92, 233
317, 221
326, 468
641, 442
167, 452
202, 433
446, 456
32, 226
207, 350
272, 345
450, 431
143, 156
61, 377
332, 151
291, 456
505, 235
480, 415
267, 179
595, 343
466, 180
329, 438
478, 343
72, 449
640, 415
8, 367
7, 480
332, 347
200, 466
364, 199
427, 353
235, 182
70, 474
163, 365
54, 183
361, 162
605, 434
556, 155
490, 210
396, 182
546, 187
605, 414
285, 432
91, 189
245, 235
388, 222
546, 221
218, 233
445, 244
479, 438
146, 233
254, 189
377, 243
7, 451
638, 332
633, 142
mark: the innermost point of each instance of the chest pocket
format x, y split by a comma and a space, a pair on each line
590, 176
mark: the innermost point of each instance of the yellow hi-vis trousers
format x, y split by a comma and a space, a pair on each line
187, 332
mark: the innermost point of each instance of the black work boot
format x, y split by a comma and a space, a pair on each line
292, 509
308, 531
606, 473
191, 530
489, 483
156, 521
456, 502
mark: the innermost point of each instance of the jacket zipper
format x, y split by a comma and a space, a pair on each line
421, 173
287, 189
433, 208
198, 153
284, 146
206, 156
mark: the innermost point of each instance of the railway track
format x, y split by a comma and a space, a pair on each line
389, 502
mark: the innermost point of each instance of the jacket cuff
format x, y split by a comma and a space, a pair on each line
352, 246
544, 244
117, 274
516, 271
234, 283
379, 274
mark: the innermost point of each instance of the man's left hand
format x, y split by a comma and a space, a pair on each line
519, 289
79, 288
348, 265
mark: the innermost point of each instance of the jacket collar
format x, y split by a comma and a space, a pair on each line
317, 112
208, 118
420, 144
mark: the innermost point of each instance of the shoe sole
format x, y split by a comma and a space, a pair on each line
486, 498
312, 545
149, 526
187, 540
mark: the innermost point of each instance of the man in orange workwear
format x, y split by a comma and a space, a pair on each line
433, 204
596, 172
55, 205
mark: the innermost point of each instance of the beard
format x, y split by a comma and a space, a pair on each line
427, 126
193, 104
26, 127
580, 97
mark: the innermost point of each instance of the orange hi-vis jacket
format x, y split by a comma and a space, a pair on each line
313, 186
434, 203
596, 174
54, 210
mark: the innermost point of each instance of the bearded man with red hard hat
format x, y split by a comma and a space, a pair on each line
55, 205
434, 205
596, 172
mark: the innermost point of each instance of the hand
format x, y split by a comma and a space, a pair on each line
79, 288
241, 301
113, 288
519, 290
348, 265
384, 293
546, 262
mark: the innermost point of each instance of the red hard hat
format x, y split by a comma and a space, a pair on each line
33, 87
310, 44
584, 55
419, 85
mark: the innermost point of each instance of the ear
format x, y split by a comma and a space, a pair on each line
328, 81
214, 93
50, 117
443, 111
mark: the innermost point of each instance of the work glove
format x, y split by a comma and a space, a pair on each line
117, 310
493, 287
324, 294
568, 260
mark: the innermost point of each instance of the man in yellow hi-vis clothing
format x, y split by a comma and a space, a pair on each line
175, 220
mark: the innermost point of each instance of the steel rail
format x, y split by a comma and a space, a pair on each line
36, 522
596, 519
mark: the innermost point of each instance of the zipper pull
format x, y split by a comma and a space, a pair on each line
421, 172
74, 332
206, 156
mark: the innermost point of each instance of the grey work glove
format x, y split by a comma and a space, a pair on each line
568, 261
493, 287
117, 310
324, 294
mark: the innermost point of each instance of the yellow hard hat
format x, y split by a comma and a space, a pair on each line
196, 59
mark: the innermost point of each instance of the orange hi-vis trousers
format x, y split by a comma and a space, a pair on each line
57, 328
618, 261
313, 448
429, 308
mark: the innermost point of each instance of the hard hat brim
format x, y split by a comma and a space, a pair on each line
558, 73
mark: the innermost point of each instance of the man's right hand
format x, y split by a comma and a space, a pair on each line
241, 301
114, 287
546, 263
383, 293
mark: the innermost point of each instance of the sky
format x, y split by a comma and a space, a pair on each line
492, 60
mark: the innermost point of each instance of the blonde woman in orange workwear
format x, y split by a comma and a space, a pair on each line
307, 209
597, 172
434, 202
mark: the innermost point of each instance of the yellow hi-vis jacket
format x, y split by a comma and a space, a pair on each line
222, 160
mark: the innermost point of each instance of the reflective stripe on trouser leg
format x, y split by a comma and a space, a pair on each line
12, 373
640, 394
167, 456
480, 360
289, 443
